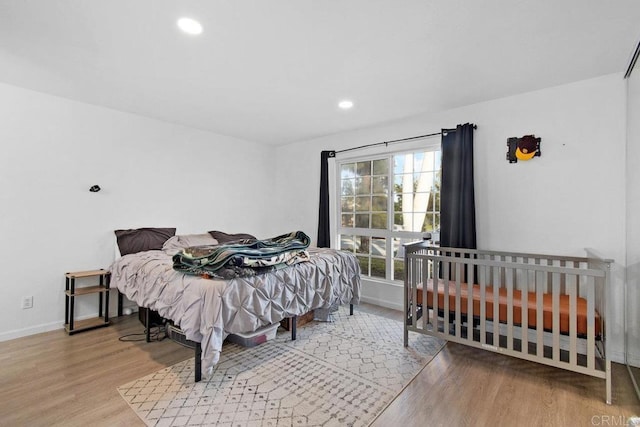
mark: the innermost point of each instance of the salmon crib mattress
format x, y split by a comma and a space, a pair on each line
547, 306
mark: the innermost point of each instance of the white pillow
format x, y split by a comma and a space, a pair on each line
175, 243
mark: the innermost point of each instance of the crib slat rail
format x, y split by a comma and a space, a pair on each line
542, 308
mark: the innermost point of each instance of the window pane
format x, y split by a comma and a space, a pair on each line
404, 183
429, 160
420, 202
380, 184
348, 171
347, 220
397, 184
348, 187
432, 222
381, 167
399, 220
423, 181
362, 244
362, 220
407, 202
363, 204
363, 168
429, 223
398, 249
347, 204
403, 163
379, 203
398, 255
364, 265
378, 246
398, 164
378, 267
347, 243
379, 220
417, 161
432, 200
363, 185
397, 202
418, 221
398, 269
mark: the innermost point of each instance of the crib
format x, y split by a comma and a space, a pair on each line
541, 308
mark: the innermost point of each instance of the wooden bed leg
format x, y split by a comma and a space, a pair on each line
197, 370
350, 309
294, 324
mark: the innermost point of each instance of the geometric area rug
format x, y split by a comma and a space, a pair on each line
339, 373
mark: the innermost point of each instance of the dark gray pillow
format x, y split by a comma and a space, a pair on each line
143, 239
223, 238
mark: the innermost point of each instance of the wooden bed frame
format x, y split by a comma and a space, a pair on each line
565, 299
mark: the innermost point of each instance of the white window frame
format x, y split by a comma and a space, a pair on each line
432, 144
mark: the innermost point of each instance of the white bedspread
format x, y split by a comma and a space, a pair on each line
207, 310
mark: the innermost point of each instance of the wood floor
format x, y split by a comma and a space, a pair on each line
52, 379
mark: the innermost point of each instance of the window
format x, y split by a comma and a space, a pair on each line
385, 202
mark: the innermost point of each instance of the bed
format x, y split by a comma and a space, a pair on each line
208, 309
542, 308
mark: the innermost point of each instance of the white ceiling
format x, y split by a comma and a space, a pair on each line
273, 71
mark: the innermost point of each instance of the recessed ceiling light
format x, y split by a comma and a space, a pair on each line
345, 104
190, 26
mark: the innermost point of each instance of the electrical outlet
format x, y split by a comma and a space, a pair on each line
27, 302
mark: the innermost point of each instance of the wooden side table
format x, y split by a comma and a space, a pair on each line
71, 292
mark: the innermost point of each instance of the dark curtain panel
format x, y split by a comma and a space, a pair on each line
324, 231
457, 202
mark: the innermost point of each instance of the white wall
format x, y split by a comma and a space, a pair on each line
159, 174
571, 197
633, 216
152, 174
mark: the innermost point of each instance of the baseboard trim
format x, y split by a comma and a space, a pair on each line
633, 360
381, 303
32, 330
58, 324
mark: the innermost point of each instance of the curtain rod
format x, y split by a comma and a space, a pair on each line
394, 141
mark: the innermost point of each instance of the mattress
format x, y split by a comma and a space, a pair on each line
547, 306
